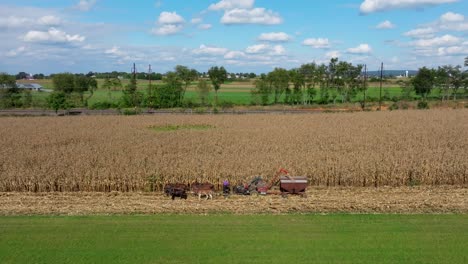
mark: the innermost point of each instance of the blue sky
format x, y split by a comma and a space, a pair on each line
50, 36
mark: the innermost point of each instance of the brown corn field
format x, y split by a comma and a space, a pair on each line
122, 153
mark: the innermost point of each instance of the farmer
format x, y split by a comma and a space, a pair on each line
226, 189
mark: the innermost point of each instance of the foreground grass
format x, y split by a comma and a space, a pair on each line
235, 239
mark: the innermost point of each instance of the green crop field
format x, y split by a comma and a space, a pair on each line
235, 239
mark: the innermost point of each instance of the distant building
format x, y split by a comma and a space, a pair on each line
30, 86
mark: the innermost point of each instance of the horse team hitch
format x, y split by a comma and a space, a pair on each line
257, 186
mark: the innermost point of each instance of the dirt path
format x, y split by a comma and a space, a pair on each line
324, 200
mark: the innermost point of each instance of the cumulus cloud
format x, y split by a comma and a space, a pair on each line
14, 21
266, 49
85, 5
232, 4
318, 43
452, 51
196, 20
385, 25
170, 18
210, 50
205, 26
50, 21
170, 23
446, 40
421, 33
234, 55
15, 52
452, 17
333, 54
168, 29
52, 36
274, 37
372, 6
260, 16
361, 49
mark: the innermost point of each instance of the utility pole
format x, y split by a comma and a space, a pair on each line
134, 71
149, 75
365, 86
381, 79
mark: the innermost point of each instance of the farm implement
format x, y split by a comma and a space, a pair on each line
287, 185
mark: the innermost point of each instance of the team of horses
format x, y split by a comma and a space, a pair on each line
180, 190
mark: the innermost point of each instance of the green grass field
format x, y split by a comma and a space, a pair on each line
235, 239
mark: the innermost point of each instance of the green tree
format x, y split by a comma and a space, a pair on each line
279, 79
57, 100
187, 76
218, 76
10, 95
299, 82
203, 89
64, 82
131, 97
423, 82
261, 93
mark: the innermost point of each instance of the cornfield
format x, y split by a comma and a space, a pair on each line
127, 153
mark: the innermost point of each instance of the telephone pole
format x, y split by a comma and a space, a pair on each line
365, 86
381, 79
149, 75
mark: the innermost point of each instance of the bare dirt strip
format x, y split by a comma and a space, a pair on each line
405, 200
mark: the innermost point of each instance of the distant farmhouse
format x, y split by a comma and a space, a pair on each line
28, 86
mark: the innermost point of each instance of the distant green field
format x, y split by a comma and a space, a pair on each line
229, 93
235, 239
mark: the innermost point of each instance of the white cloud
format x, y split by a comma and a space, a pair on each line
52, 36
210, 51
265, 49
234, 55
371, 6
232, 4
196, 20
256, 49
15, 52
446, 40
421, 33
170, 18
361, 49
452, 17
115, 51
170, 24
318, 43
333, 54
251, 16
205, 26
85, 5
385, 25
50, 21
168, 29
14, 21
452, 51
278, 50
274, 37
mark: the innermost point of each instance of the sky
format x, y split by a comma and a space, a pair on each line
50, 36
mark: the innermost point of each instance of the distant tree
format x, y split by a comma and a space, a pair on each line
57, 100
298, 81
131, 97
39, 76
252, 75
27, 98
21, 76
262, 91
10, 95
187, 76
279, 79
64, 82
218, 75
203, 89
423, 82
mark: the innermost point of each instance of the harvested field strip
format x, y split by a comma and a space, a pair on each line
118, 153
235, 239
407, 200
